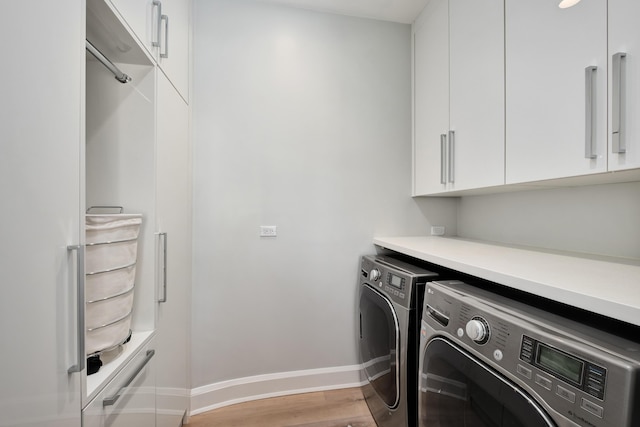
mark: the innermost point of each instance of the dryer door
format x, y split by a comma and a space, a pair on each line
458, 390
380, 344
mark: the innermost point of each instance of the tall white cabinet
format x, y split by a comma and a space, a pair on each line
143, 146
73, 137
41, 164
120, 171
458, 82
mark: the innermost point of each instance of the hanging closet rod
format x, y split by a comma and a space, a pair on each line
120, 76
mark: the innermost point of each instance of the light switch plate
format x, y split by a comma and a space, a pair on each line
268, 231
437, 230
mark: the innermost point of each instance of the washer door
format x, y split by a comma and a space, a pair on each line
457, 390
380, 344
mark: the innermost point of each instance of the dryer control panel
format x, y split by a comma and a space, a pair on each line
395, 278
580, 372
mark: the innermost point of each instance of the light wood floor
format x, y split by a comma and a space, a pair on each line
335, 408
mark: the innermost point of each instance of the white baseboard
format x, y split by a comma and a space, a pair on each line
224, 393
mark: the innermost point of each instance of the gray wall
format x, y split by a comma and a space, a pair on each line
300, 120
597, 219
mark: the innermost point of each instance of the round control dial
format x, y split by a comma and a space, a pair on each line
478, 330
375, 275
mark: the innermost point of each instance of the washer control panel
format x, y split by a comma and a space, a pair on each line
394, 278
566, 367
587, 375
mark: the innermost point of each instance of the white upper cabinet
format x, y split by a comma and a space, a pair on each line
143, 17
624, 84
173, 55
459, 96
556, 72
162, 26
476, 123
431, 97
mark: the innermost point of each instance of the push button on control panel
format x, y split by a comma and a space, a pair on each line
563, 392
526, 351
544, 382
589, 406
596, 377
525, 372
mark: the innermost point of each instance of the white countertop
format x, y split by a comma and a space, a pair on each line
607, 286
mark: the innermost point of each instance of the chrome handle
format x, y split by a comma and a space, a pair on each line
120, 209
618, 103
443, 158
165, 18
156, 42
163, 236
452, 148
79, 367
108, 401
590, 111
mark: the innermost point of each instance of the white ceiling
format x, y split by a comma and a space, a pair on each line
404, 11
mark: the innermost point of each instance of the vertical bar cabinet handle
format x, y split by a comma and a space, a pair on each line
590, 111
443, 158
156, 42
79, 367
165, 53
452, 150
618, 83
163, 236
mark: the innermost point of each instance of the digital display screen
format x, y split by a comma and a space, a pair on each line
560, 363
395, 281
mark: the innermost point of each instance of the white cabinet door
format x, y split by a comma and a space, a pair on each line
174, 219
143, 17
459, 96
40, 187
548, 52
431, 97
174, 45
163, 27
476, 52
624, 38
